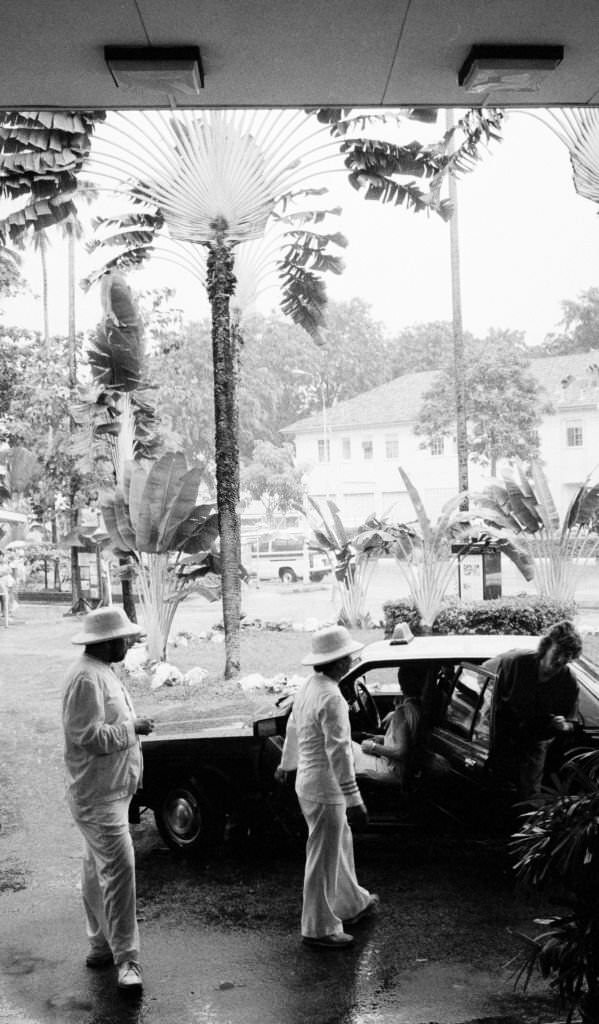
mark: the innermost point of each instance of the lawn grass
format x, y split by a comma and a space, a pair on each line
267, 652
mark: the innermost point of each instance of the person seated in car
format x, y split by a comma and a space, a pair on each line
389, 758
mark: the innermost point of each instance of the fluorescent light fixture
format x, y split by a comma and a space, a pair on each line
508, 68
165, 69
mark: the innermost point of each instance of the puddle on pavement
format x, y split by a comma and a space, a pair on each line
13, 876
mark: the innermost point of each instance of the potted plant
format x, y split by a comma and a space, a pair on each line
557, 851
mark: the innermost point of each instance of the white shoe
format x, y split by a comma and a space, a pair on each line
129, 976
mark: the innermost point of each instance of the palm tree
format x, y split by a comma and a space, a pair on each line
377, 168
229, 182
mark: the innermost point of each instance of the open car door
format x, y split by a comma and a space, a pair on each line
456, 773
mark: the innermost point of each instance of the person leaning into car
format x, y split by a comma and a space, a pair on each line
536, 700
318, 744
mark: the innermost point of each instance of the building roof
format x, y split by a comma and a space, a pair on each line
564, 380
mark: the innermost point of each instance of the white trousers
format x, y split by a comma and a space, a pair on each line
331, 890
108, 879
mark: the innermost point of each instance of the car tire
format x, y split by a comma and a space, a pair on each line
189, 821
287, 576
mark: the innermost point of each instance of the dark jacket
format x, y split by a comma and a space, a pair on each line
525, 705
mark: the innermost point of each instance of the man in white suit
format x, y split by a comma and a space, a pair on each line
318, 743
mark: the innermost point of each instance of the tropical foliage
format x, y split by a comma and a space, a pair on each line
352, 563
556, 849
427, 553
520, 501
153, 519
115, 408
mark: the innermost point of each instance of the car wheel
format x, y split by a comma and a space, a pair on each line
287, 576
187, 820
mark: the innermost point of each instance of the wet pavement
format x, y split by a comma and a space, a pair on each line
220, 941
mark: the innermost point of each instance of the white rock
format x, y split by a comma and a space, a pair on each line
195, 676
252, 682
165, 675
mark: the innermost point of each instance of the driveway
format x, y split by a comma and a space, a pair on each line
220, 939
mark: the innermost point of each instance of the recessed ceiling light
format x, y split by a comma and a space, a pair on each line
508, 68
165, 69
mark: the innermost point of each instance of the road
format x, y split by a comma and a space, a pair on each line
220, 939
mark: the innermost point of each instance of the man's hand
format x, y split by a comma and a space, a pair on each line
561, 724
357, 817
280, 774
144, 726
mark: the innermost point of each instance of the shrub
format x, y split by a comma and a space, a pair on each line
526, 615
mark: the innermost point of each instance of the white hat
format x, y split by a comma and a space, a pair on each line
330, 644
105, 624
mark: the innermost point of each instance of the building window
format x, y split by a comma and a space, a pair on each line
324, 450
391, 446
574, 435
367, 449
438, 446
346, 448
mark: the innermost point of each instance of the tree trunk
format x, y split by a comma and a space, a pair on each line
220, 286
43, 249
77, 603
458, 335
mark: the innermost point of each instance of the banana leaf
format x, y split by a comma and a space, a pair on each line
520, 506
137, 475
123, 520
161, 489
546, 501
119, 545
180, 508
419, 508
339, 527
198, 532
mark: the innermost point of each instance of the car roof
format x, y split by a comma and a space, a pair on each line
450, 647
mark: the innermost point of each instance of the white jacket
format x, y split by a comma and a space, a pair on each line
102, 751
318, 744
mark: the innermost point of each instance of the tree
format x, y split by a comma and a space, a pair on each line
580, 322
35, 414
272, 478
41, 155
230, 181
503, 407
150, 516
375, 168
423, 346
250, 223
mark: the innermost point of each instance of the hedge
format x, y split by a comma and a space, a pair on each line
525, 615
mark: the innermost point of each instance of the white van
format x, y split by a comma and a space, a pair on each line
283, 554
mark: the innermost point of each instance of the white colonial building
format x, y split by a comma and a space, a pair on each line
352, 450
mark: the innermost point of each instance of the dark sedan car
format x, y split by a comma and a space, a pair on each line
456, 779
207, 778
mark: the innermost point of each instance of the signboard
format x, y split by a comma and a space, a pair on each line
471, 577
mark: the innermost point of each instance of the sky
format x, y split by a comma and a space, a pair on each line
527, 243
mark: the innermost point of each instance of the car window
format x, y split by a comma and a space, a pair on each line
468, 708
382, 680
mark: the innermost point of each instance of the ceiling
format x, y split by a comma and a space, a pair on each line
260, 53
